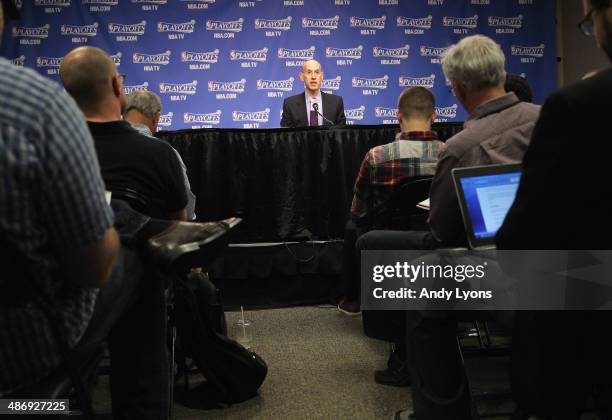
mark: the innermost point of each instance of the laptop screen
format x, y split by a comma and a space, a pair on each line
486, 194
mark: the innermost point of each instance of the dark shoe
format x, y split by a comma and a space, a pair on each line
403, 415
349, 307
393, 377
184, 245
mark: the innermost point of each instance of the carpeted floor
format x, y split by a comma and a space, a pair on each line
321, 366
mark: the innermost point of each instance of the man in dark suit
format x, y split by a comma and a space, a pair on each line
564, 203
313, 107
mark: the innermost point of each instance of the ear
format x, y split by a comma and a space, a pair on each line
399, 116
302, 76
155, 121
116, 86
433, 117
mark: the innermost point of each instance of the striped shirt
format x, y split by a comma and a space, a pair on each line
51, 198
412, 154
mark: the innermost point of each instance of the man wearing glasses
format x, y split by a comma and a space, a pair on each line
128, 159
559, 358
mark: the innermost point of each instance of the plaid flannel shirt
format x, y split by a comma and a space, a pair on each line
412, 154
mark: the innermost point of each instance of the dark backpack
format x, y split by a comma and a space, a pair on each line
233, 373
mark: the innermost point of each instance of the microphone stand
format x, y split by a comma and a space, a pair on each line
315, 106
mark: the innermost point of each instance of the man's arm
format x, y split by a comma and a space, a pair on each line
92, 265
445, 217
286, 118
361, 204
191, 198
340, 117
177, 190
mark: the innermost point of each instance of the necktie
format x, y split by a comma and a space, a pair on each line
314, 118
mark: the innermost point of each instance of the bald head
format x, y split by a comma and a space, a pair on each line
312, 76
90, 77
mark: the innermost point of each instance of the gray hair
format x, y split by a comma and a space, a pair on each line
143, 101
475, 62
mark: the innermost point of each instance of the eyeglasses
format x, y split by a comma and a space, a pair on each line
586, 24
122, 77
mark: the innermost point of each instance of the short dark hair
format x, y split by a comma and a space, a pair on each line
416, 102
520, 86
600, 3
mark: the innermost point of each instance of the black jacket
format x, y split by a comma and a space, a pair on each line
296, 115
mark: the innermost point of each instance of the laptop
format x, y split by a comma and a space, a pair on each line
485, 194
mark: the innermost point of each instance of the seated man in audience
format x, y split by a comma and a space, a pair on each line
128, 159
520, 86
559, 358
142, 111
497, 131
414, 153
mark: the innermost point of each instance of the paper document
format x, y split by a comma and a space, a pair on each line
424, 204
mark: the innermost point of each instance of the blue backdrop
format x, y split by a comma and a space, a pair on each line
230, 63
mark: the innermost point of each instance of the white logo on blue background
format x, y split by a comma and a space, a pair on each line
230, 26
275, 24
25, 32
447, 112
535, 51
253, 55
508, 22
355, 113
354, 53
401, 52
165, 120
131, 29
326, 23
252, 116
200, 57
117, 58
331, 84
432, 51
184, 27
18, 61
377, 83
426, 82
382, 112
162, 58
237, 87
48, 61
48, 3
470, 22
371, 23
134, 88
183, 88
210, 118
305, 54
281, 85
419, 23
84, 30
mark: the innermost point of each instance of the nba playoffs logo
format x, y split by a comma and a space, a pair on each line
370, 23
132, 29
432, 51
326, 23
507, 22
213, 118
133, 88
254, 55
470, 22
235, 87
48, 61
24, 32
49, 3
426, 82
150, 1
184, 28
200, 57
448, 112
103, 2
280, 85
535, 51
331, 84
252, 116
378, 83
382, 112
84, 30
231, 26
117, 58
418, 23
165, 120
18, 61
401, 52
272, 24
306, 54
181, 88
355, 114
162, 58
353, 53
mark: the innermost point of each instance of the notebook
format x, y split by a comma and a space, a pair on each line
485, 194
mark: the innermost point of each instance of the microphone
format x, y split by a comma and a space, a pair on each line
315, 106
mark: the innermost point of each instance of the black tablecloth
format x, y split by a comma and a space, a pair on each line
284, 183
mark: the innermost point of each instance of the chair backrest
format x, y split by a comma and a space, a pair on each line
134, 198
401, 212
